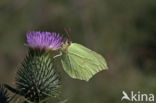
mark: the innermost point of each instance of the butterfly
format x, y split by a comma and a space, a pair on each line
80, 62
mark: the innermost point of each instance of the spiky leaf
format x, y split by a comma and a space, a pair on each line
4, 97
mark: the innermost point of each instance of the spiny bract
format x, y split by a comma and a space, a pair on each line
37, 78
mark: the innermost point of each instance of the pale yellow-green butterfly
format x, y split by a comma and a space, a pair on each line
80, 62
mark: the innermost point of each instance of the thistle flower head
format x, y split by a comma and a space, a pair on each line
44, 40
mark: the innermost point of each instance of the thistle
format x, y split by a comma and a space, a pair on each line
37, 78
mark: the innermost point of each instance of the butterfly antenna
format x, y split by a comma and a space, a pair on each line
68, 32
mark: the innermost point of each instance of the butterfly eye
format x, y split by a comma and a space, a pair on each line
70, 42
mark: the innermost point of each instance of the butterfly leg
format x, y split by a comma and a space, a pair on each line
58, 55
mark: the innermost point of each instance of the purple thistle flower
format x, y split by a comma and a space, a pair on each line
44, 40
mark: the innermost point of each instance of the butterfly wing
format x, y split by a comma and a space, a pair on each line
81, 62
99, 58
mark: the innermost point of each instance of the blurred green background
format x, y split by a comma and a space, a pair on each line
123, 31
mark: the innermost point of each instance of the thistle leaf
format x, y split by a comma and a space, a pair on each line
4, 97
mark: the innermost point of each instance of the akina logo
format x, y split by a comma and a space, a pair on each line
137, 97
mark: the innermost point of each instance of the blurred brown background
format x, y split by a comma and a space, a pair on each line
123, 31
